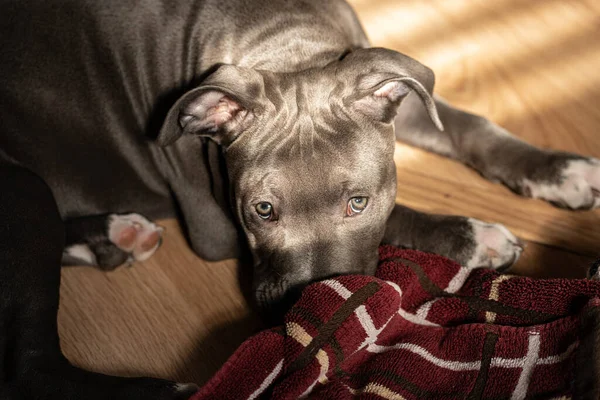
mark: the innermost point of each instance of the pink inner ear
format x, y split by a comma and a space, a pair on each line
224, 111
393, 91
211, 111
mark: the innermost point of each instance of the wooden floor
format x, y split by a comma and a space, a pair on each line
531, 66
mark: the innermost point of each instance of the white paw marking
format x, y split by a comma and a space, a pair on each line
496, 247
134, 234
580, 186
83, 253
186, 387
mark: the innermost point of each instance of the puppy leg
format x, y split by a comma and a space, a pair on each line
32, 365
199, 184
110, 240
468, 241
564, 179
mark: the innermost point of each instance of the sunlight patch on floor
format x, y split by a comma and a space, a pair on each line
481, 37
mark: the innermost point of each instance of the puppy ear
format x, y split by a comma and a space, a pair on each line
221, 108
383, 78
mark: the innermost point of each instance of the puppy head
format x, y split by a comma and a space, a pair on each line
310, 159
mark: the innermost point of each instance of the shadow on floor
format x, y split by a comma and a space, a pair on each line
213, 350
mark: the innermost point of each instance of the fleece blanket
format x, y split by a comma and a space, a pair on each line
424, 327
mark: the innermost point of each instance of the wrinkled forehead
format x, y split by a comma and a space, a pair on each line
322, 174
308, 134
311, 107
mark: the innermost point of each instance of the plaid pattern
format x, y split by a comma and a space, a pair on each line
424, 327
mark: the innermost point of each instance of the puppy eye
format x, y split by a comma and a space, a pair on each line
356, 205
264, 210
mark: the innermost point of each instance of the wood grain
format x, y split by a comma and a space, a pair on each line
528, 65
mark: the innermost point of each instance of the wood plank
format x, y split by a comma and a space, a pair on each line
540, 261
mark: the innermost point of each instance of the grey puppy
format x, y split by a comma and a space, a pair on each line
266, 124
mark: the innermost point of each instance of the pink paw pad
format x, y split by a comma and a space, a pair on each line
126, 238
134, 234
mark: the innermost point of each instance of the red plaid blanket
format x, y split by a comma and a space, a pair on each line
425, 327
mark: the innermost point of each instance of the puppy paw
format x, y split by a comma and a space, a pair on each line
183, 391
495, 246
135, 235
576, 186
